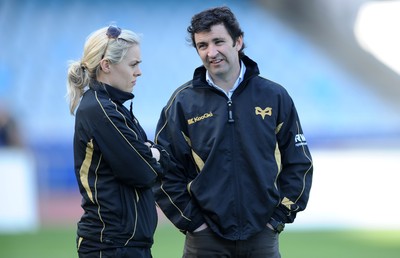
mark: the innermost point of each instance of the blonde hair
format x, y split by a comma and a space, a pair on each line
98, 46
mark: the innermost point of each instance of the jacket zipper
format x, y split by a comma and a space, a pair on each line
230, 112
231, 120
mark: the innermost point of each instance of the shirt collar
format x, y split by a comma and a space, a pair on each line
235, 85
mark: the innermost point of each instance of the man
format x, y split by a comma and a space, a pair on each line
242, 168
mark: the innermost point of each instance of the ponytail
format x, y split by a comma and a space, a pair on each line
78, 79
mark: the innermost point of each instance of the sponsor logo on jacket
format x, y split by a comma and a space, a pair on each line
199, 118
263, 112
300, 140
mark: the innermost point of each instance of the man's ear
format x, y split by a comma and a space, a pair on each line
239, 43
105, 65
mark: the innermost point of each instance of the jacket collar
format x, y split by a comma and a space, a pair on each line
113, 93
199, 76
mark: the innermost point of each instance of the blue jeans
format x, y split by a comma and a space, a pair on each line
206, 244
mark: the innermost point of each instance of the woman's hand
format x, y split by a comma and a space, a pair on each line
154, 151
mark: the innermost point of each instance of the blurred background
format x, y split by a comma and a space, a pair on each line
339, 60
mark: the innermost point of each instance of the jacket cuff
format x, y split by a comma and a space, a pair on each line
196, 224
165, 159
282, 214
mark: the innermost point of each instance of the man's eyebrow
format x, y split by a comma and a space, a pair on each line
218, 38
212, 40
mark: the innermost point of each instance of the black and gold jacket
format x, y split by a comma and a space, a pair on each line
238, 162
115, 171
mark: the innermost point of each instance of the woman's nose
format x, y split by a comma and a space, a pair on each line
138, 72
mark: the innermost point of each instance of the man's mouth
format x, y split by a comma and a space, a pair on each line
216, 61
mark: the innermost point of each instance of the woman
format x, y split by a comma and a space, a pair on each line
115, 164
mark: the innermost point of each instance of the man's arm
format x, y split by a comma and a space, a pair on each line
295, 179
171, 192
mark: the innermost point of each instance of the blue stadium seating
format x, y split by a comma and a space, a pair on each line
39, 37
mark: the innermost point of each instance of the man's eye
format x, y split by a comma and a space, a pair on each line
201, 46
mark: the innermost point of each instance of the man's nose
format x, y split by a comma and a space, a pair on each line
212, 51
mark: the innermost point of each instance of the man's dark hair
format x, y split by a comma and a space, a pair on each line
203, 21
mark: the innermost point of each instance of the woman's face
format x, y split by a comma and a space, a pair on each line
123, 75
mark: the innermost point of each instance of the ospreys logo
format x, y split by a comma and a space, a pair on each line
199, 118
264, 112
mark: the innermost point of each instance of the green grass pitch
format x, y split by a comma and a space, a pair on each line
59, 242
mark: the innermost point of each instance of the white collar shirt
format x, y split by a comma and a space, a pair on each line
235, 85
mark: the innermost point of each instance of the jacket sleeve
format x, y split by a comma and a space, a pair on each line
129, 158
171, 192
295, 178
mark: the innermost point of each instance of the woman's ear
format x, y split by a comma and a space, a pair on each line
105, 65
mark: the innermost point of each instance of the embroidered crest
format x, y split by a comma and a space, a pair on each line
264, 112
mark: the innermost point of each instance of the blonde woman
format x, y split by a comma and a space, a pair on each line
115, 164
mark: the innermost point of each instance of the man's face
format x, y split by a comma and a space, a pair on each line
218, 52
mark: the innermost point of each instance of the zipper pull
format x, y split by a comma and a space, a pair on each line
230, 112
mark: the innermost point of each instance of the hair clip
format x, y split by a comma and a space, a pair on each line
113, 32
